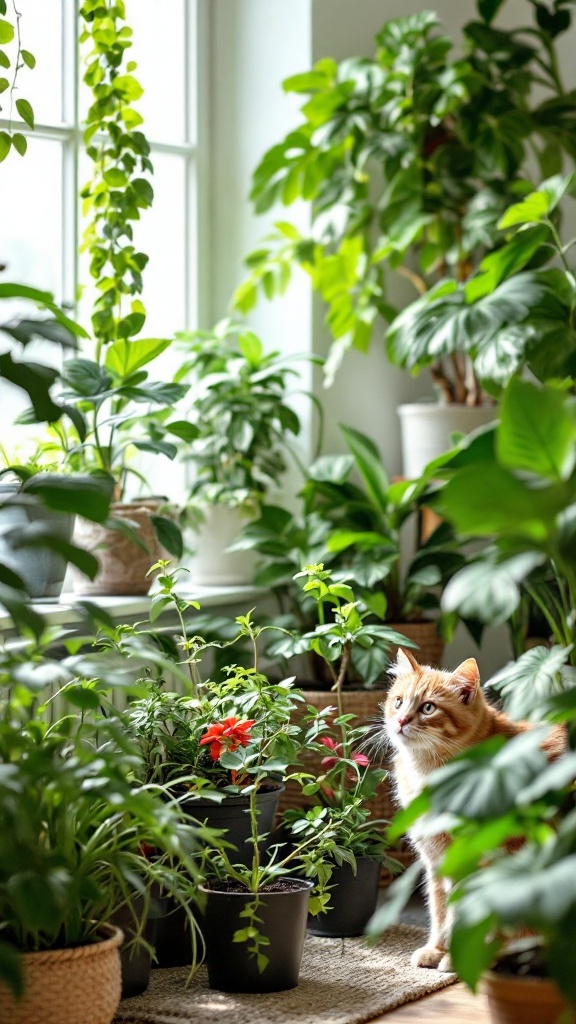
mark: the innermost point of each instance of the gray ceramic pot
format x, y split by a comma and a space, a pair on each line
41, 569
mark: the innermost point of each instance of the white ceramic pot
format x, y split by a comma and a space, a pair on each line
427, 428
211, 564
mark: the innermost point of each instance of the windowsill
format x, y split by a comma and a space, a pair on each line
62, 612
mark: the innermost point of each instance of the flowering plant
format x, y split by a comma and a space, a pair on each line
212, 735
347, 779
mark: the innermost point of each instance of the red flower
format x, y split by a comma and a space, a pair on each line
227, 735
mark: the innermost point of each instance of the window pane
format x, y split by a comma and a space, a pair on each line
158, 49
41, 30
162, 235
31, 240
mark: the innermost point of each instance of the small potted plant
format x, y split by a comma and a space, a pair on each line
241, 426
211, 742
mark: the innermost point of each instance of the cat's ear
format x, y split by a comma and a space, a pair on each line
405, 662
467, 680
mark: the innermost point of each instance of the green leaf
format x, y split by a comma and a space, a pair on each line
28, 58
6, 32
369, 464
20, 143
539, 204
26, 112
395, 900
488, 9
537, 432
169, 535
489, 591
124, 357
11, 968
483, 782
82, 697
5, 143
527, 683
88, 496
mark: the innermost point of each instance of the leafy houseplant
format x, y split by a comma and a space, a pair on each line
408, 160
38, 500
357, 529
344, 783
241, 425
216, 744
502, 791
74, 828
126, 411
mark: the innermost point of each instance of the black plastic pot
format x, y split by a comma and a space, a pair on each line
352, 900
233, 815
136, 960
173, 940
231, 968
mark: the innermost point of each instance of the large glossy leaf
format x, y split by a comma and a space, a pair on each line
508, 260
124, 357
527, 683
36, 380
369, 464
86, 377
484, 781
485, 499
169, 534
539, 204
537, 432
87, 496
487, 590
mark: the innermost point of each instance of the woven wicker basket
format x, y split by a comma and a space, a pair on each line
68, 986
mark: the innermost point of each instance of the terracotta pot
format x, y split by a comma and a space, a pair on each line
123, 563
68, 986
514, 1000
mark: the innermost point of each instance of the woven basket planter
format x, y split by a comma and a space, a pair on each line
123, 563
68, 986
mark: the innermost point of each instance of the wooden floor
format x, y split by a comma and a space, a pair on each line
455, 1003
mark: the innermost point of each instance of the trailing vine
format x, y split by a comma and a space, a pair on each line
10, 34
118, 190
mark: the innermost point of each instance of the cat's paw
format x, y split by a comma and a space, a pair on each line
446, 963
428, 956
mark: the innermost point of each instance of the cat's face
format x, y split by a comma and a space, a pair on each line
430, 712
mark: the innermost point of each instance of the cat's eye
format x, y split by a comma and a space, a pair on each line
397, 702
428, 707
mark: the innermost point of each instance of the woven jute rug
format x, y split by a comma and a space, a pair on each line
342, 981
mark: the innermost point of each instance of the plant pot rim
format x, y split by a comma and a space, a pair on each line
300, 883
438, 406
113, 937
268, 788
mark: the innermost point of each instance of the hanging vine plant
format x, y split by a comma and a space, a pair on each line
11, 63
119, 188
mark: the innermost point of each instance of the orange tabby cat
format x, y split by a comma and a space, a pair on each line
430, 716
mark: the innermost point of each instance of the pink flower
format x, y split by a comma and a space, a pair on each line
328, 762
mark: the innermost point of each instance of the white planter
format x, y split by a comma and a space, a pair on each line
211, 564
426, 429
